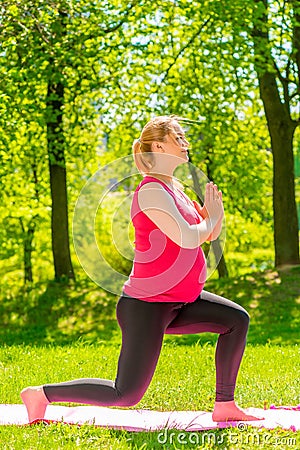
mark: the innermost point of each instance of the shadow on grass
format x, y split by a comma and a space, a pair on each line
60, 313
57, 312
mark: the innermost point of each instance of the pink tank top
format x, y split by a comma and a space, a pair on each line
163, 271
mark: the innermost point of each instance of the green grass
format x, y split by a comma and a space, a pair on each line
54, 333
184, 380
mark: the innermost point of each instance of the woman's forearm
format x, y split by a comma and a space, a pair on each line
216, 231
217, 227
204, 230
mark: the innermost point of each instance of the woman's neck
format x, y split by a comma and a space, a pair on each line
169, 180
166, 178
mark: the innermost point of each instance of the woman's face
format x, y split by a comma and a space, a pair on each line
176, 143
171, 152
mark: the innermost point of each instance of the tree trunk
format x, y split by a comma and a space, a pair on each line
28, 236
286, 238
58, 183
216, 247
28, 278
281, 128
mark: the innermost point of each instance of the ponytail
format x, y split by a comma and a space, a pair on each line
143, 158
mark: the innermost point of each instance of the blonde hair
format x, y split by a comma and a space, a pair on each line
157, 129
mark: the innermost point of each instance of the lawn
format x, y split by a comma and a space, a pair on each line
53, 334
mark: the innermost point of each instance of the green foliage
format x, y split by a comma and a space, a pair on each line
119, 64
115, 233
244, 235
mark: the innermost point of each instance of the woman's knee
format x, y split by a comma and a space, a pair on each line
127, 399
242, 319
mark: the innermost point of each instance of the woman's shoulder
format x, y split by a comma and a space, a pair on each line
151, 185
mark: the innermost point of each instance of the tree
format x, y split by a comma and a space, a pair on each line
217, 249
83, 70
277, 63
23, 205
198, 77
59, 52
215, 54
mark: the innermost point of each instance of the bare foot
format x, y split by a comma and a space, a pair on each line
35, 401
229, 411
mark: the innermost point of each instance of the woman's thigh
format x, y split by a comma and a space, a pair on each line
209, 313
143, 325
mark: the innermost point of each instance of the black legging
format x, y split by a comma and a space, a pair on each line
143, 326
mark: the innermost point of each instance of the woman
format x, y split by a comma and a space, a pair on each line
164, 292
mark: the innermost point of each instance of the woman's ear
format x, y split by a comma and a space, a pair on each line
157, 146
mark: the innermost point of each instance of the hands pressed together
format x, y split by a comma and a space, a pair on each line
213, 204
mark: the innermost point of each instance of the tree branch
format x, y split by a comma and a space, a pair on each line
118, 25
285, 85
264, 62
295, 94
39, 29
190, 41
296, 36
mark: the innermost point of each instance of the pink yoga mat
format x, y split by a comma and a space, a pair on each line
146, 420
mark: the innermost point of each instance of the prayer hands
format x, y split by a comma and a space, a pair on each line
213, 204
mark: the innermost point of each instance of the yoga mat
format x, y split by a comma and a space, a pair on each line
147, 420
